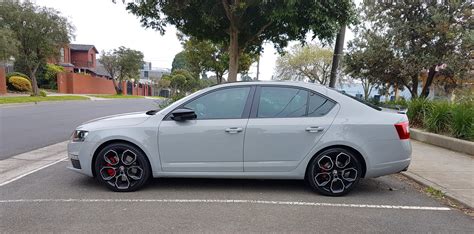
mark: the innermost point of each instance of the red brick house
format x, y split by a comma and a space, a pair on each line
79, 58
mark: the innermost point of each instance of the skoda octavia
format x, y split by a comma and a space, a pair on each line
259, 130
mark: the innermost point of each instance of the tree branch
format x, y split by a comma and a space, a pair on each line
255, 36
227, 11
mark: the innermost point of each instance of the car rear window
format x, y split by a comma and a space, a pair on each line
361, 101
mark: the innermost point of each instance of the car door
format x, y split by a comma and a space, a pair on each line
213, 142
285, 124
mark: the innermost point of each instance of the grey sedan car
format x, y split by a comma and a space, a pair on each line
259, 130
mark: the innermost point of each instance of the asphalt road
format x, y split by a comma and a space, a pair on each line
27, 127
58, 200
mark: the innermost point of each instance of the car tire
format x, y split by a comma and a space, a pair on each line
122, 167
334, 172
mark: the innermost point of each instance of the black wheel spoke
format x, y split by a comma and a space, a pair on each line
335, 172
121, 168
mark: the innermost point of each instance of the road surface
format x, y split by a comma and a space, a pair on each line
27, 127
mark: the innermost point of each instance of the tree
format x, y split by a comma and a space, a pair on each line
423, 36
8, 44
122, 64
305, 62
181, 82
243, 25
180, 62
204, 55
40, 32
370, 60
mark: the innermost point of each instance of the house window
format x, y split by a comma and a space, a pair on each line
145, 74
61, 57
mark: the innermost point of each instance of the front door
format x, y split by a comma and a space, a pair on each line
285, 124
214, 141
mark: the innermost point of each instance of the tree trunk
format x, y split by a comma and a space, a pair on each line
414, 86
117, 89
234, 55
218, 78
429, 80
34, 82
366, 91
337, 55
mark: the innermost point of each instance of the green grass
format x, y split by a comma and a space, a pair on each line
114, 96
26, 99
434, 192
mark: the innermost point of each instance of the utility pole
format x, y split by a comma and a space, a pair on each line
338, 48
258, 66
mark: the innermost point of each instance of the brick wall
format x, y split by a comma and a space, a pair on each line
3, 81
83, 84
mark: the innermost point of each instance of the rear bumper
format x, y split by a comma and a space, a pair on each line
390, 158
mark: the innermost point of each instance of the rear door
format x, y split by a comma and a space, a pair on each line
286, 122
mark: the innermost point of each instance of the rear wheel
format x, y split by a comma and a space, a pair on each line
334, 172
122, 167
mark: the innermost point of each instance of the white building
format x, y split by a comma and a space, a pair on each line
150, 75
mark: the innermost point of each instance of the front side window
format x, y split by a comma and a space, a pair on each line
278, 102
221, 104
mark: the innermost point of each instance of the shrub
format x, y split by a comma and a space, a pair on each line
19, 83
417, 110
42, 93
438, 118
462, 125
17, 74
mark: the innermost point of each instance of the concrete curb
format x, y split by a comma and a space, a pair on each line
446, 142
23, 164
427, 183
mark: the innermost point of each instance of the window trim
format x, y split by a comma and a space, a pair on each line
258, 91
245, 113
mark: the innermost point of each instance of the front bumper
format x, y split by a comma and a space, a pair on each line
80, 155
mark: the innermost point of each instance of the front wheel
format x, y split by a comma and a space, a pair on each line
334, 172
122, 167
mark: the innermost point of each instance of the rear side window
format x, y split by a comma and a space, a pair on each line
283, 102
319, 105
278, 102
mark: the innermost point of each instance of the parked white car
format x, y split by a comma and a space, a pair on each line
264, 130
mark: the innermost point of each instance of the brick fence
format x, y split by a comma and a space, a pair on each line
75, 83
84, 84
3, 81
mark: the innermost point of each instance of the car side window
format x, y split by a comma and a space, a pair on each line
282, 102
221, 104
319, 105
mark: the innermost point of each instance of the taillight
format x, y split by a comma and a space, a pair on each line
403, 130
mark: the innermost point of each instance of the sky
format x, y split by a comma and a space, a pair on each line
108, 26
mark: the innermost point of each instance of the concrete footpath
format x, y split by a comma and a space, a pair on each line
448, 171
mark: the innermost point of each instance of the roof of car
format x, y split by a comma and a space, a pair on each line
271, 82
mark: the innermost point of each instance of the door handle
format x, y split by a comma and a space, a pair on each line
233, 130
314, 129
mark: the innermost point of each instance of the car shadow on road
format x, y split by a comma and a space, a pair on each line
374, 186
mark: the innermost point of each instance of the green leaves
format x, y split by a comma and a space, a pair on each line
122, 63
254, 21
39, 31
305, 62
401, 39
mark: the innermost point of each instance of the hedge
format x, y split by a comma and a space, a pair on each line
19, 83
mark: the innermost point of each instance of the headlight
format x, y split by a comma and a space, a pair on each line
79, 135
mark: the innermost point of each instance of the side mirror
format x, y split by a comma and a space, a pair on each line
183, 114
